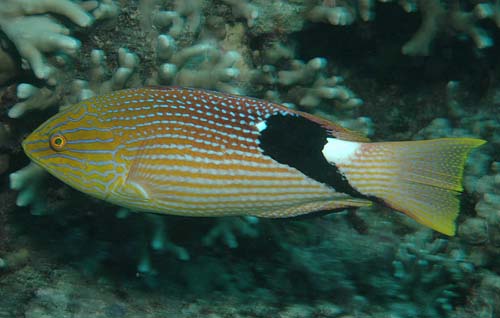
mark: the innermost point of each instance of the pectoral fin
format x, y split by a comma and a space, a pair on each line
136, 190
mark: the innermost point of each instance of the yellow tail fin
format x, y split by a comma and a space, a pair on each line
422, 179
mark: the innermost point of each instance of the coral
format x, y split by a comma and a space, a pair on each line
29, 182
103, 9
31, 27
483, 176
485, 298
432, 273
308, 86
437, 16
244, 9
487, 188
474, 231
124, 76
186, 17
58, 300
194, 59
331, 259
200, 65
276, 18
170, 19
434, 16
33, 98
161, 242
34, 35
343, 14
226, 229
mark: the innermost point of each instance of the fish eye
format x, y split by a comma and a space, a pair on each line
57, 142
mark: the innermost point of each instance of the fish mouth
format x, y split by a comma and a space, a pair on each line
32, 145
27, 146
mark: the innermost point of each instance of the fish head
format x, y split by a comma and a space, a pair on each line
78, 147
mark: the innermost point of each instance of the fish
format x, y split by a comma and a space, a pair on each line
194, 152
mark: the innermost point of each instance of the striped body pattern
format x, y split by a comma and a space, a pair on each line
194, 152
178, 151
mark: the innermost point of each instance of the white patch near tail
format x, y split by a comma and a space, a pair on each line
338, 151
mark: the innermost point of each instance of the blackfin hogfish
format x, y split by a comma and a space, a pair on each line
195, 152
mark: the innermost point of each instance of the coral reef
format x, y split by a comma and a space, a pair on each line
33, 98
82, 257
487, 227
436, 18
434, 271
29, 181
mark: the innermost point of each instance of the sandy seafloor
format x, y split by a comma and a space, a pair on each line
79, 260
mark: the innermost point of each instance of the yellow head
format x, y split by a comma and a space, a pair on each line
78, 147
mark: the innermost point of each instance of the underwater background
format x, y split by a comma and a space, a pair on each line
404, 70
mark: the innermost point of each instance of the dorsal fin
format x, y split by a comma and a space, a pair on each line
336, 130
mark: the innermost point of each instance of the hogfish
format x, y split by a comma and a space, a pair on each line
196, 152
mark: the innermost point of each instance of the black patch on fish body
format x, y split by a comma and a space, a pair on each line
298, 142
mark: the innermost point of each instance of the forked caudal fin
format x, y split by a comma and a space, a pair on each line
422, 179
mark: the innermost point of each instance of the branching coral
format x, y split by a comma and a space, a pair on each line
200, 65
185, 17
29, 181
160, 241
34, 35
309, 86
430, 273
227, 229
33, 98
244, 9
122, 77
485, 298
488, 207
343, 14
437, 17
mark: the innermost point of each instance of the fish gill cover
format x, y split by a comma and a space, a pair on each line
405, 70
